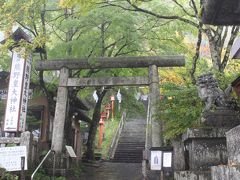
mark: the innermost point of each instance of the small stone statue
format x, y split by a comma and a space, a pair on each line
211, 94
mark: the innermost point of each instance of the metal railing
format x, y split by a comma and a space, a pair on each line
117, 135
147, 142
45, 157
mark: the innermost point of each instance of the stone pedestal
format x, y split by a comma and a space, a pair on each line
232, 170
205, 147
221, 117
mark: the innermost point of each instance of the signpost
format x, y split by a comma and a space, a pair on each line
71, 151
10, 158
18, 89
13, 107
25, 94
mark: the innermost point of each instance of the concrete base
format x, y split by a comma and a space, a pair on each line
192, 175
225, 172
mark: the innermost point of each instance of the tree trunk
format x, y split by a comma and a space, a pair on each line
215, 50
93, 126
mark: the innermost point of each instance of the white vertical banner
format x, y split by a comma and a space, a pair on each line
25, 94
16, 101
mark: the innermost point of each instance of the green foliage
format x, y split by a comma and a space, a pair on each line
76, 171
131, 104
180, 109
42, 175
7, 175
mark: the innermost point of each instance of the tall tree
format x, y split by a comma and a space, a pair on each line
220, 38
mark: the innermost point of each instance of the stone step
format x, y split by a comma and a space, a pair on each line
136, 126
133, 157
140, 132
127, 160
131, 142
132, 136
131, 145
129, 149
128, 154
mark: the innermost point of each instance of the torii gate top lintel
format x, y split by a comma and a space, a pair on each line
112, 62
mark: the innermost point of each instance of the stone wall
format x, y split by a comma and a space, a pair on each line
192, 175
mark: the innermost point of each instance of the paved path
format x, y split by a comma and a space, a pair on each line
111, 171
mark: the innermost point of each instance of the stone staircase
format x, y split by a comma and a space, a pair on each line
131, 142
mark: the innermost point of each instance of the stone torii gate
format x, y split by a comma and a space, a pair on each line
151, 62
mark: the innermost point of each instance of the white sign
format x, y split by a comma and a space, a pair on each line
167, 159
18, 89
10, 158
71, 151
156, 160
14, 93
25, 92
3, 94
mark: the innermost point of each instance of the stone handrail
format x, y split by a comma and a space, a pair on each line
114, 143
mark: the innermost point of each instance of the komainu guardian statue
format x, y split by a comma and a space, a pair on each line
212, 95
220, 108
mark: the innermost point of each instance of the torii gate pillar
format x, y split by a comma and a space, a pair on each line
154, 95
60, 112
